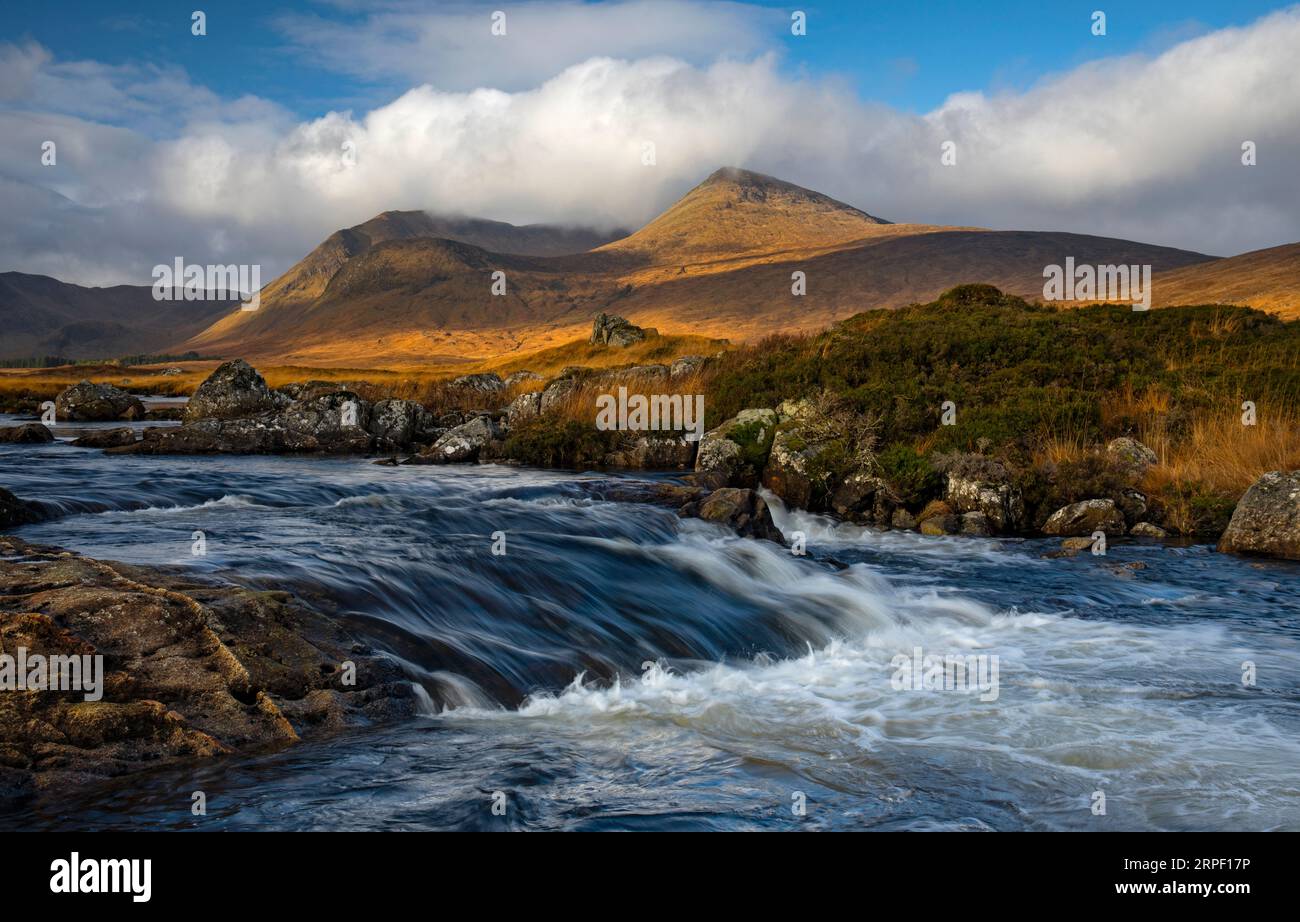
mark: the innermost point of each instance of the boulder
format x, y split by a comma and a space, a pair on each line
26, 434
1084, 518
685, 365
252, 435
106, 438
740, 509
462, 443
335, 422
864, 497
1147, 530
789, 470
999, 501
902, 519
525, 406
487, 383
235, 390
522, 377
557, 391
653, 452
1131, 455
608, 330
86, 402
1267, 519
15, 511
1133, 503
976, 524
723, 449
397, 424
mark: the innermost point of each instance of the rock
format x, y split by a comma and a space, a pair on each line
1267, 519
253, 435
1133, 503
637, 375
789, 472
999, 502
557, 391
685, 365
86, 402
397, 424
525, 406
462, 443
902, 520
654, 453
172, 371
487, 383
864, 497
938, 525
937, 518
1076, 544
723, 455
190, 670
976, 524
793, 409
740, 509
26, 434
15, 511
336, 422
608, 330
106, 438
1147, 530
1131, 455
1084, 518
234, 391
522, 377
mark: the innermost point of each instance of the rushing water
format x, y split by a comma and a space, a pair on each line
621, 668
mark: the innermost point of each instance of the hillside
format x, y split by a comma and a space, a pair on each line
401, 290
40, 316
1265, 279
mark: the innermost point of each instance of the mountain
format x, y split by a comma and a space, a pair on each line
407, 288
41, 316
1266, 279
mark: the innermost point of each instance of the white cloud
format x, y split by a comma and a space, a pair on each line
1144, 147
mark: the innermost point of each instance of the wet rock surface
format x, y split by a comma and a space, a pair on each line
26, 434
191, 670
1267, 519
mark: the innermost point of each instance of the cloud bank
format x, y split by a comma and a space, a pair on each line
151, 167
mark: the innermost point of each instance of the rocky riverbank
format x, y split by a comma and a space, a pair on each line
190, 670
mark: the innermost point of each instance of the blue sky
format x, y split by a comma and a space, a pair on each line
230, 147
910, 55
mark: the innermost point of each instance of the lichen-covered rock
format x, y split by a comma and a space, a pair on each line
106, 438
1267, 519
790, 470
525, 406
727, 449
522, 377
608, 330
1130, 454
235, 390
742, 510
1148, 530
397, 424
86, 402
26, 434
335, 422
654, 452
999, 502
462, 443
1086, 517
486, 383
190, 670
557, 391
685, 365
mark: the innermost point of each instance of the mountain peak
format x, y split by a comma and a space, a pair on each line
736, 211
